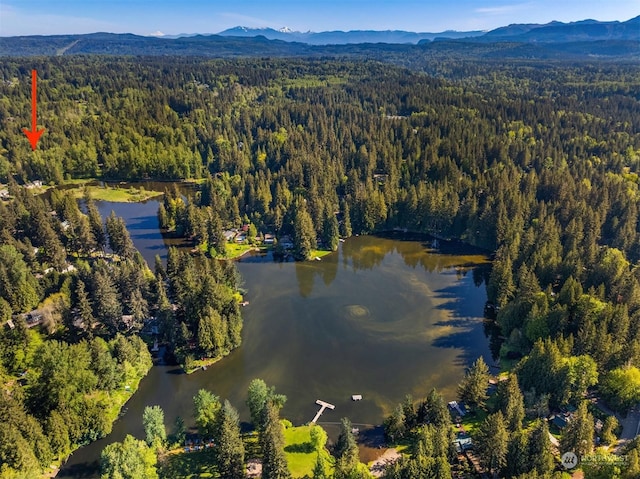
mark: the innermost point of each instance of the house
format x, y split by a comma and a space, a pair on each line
229, 234
598, 426
463, 442
68, 268
455, 406
561, 420
33, 318
286, 242
241, 237
128, 320
269, 238
34, 184
380, 178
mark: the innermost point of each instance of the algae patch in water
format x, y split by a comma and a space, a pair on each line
357, 311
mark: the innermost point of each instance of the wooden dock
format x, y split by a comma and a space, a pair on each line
323, 405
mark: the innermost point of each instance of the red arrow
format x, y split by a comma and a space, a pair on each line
34, 134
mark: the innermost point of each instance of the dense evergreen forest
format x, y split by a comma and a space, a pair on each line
72, 319
535, 162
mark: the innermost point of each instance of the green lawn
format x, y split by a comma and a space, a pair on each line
121, 195
300, 453
235, 250
472, 421
198, 363
319, 253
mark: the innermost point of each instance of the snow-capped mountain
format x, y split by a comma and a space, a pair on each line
340, 37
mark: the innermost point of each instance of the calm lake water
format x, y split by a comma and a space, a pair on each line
381, 317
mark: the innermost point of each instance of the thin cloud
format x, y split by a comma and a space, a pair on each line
503, 9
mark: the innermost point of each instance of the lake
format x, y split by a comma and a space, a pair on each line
382, 317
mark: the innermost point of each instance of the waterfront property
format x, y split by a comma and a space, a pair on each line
323, 405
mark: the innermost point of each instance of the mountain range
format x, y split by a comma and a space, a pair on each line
585, 30
584, 39
338, 37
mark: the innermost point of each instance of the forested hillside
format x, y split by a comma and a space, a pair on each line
536, 162
72, 317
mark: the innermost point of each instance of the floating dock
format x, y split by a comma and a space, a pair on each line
323, 405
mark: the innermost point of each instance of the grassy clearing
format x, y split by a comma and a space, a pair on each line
120, 195
78, 181
197, 181
199, 363
471, 422
301, 457
319, 253
235, 250
300, 453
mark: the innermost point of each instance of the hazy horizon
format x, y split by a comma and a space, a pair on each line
164, 17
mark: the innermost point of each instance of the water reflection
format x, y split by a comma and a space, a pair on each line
369, 252
381, 317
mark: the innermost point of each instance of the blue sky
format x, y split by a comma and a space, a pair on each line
144, 17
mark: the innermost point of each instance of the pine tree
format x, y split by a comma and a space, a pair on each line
83, 305
578, 435
304, 234
83, 239
320, 469
274, 462
540, 451
216, 240
441, 468
501, 285
517, 458
473, 388
511, 402
330, 234
436, 411
410, 414
158, 268
180, 433
346, 452
106, 301
394, 425
492, 442
138, 306
119, 239
345, 225
229, 446
95, 222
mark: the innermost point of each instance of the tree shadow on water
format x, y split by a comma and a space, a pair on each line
470, 335
372, 437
